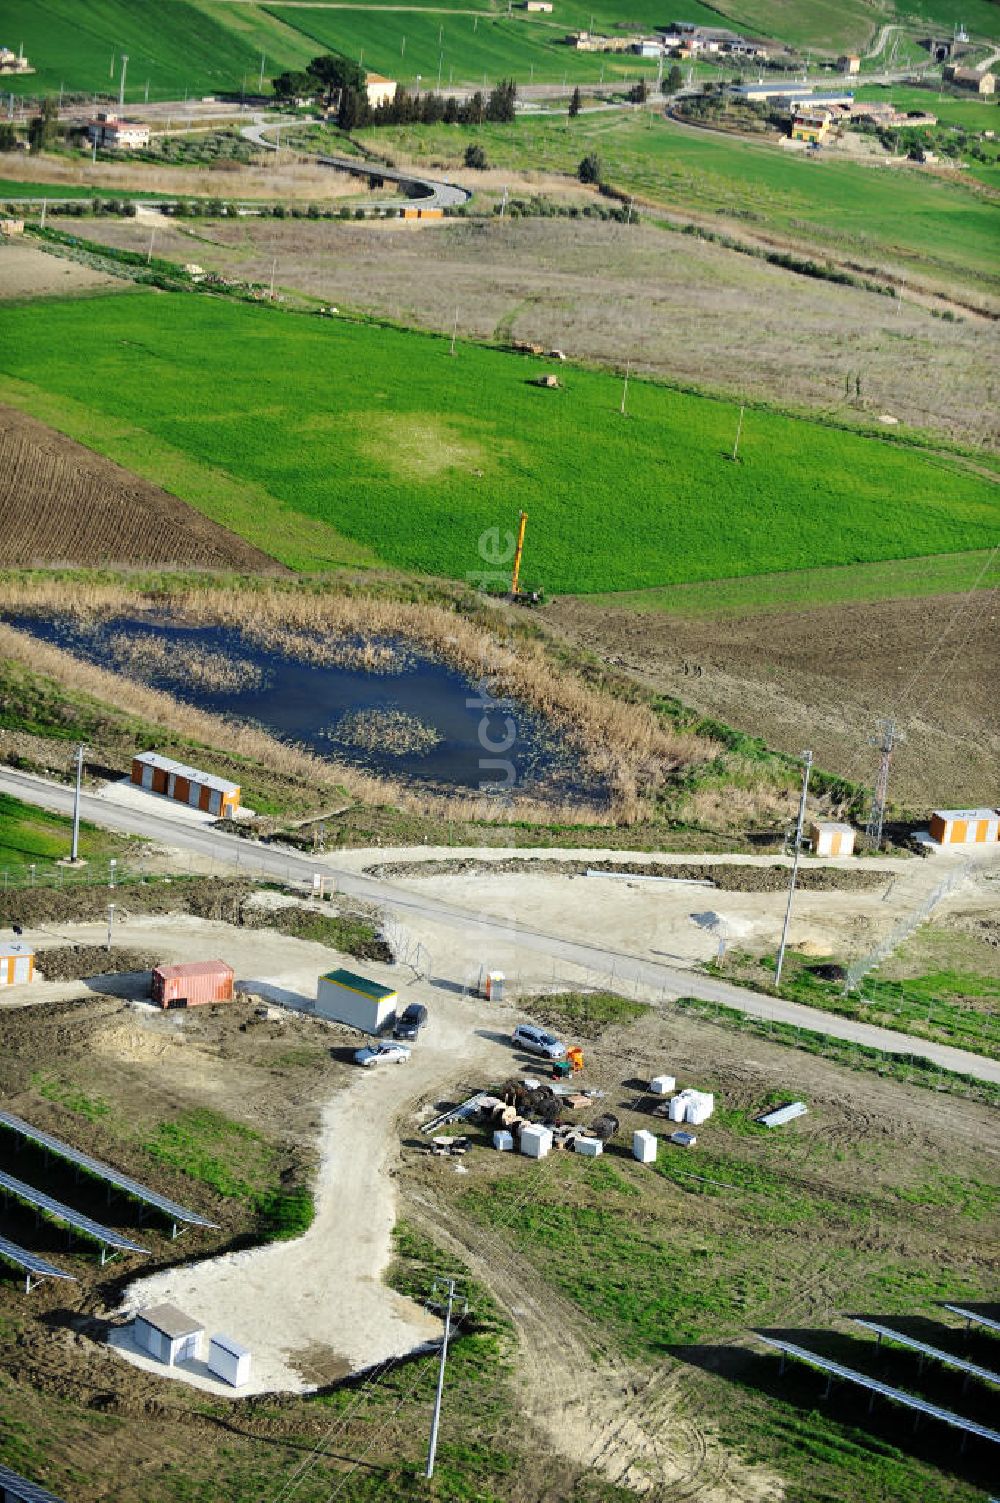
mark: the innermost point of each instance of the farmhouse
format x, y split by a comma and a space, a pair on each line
14, 62
979, 79
379, 90
588, 41
115, 134
812, 126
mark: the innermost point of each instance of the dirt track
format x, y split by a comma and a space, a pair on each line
62, 503
823, 677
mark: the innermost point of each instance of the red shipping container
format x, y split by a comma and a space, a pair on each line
193, 984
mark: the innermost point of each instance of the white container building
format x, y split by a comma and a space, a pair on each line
691, 1106
17, 964
662, 1085
167, 1334
343, 997
591, 1148
536, 1141
229, 1361
829, 837
644, 1146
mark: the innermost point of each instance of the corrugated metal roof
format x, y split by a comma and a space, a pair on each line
93, 1166
170, 1320
360, 984
26, 1492
182, 770
193, 968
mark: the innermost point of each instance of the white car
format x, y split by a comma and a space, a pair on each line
537, 1041
382, 1054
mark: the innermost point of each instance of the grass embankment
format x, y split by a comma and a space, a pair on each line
900, 219
406, 431
32, 841
945, 1007
585, 1015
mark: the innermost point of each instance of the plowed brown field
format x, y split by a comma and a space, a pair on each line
62, 504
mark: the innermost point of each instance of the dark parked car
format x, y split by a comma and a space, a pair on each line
410, 1021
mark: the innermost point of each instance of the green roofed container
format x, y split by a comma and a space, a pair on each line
343, 997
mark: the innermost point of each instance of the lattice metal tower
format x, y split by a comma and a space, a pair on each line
885, 741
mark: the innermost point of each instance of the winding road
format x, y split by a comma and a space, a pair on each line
159, 825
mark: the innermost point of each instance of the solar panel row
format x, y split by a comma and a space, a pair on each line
93, 1166
24, 1491
42, 1202
31, 1262
974, 1317
895, 1395
946, 1358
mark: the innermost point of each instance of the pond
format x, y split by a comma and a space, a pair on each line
380, 704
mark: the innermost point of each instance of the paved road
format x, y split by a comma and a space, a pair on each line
180, 833
434, 194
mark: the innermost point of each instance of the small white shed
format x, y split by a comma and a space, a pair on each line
830, 837
229, 1361
644, 1146
168, 1334
17, 964
344, 997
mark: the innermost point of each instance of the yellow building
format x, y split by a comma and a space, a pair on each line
811, 125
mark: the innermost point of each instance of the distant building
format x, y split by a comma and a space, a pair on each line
812, 126
981, 80
648, 47
116, 134
14, 62
791, 96
11, 227
588, 41
849, 63
940, 48
379, 90
539, 5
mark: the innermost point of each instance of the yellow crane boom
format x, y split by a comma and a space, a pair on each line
517, 555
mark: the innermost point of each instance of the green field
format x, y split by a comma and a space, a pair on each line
912, 220
181, 48
972, 113
378, 436
33, 837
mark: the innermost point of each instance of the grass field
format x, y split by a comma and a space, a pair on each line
377, 435
972, 113
183, 48
911, 219
901, 578
33, 837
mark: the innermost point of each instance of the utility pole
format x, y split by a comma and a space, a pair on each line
454, 333
274, 267
111, 921
885, 742
739, 432
263, 60
628, 367
152, 237
74, 854
436, 1419
121, 86
807, 761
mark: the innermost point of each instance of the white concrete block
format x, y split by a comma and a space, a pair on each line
591, 1148
644, 1146
503, 1140
662, 1085
536, 1141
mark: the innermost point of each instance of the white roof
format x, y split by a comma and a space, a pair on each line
833, 824
171, 1321
14, 950
181, 770
965, 813
229, 1345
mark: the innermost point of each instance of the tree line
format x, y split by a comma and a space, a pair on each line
339, 83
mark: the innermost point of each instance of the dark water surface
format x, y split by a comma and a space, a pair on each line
312, 705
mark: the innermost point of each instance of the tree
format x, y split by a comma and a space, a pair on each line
8, 137
590, 169
475, 110
639, 92
451, 111
500, 106
353, 109
335, 74
675, 79
574, 104
44, 127
294, 85
475, 156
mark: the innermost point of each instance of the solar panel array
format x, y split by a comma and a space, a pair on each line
42, 1202
93, 1166
26, 1492
894, 1395
974, 1316
930, 1351
30, 1262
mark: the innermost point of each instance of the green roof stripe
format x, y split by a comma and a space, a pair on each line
361, 984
